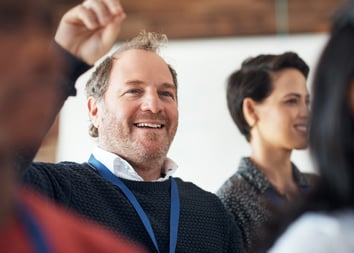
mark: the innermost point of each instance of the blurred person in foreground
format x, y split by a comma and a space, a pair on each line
325, 221
30, 74
268, 101
127, 183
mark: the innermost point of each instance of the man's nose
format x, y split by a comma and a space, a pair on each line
151, 102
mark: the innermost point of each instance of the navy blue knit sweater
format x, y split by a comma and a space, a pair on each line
205, 225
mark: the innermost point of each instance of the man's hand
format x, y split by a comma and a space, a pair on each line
90, 29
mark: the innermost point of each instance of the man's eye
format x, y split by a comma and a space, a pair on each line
167, 94
134, 91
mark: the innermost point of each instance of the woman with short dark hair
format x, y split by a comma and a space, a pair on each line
268, 101
326, 219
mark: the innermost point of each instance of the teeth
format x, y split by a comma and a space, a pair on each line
149, 125
301, 128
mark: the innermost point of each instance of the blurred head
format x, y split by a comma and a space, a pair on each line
268, 97
28, 70
28, 74
132, 101
332, 121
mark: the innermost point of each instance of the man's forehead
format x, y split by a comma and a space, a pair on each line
139, 64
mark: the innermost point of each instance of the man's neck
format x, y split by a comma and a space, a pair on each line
139, 168
148, 174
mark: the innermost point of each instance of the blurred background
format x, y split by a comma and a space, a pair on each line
208, 39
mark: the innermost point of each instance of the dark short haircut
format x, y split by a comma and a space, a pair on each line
254, 80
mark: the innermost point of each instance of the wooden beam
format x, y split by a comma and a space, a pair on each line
185, 19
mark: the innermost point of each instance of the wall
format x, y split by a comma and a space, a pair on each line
207, 145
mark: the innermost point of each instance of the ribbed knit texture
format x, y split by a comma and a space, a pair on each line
205, 225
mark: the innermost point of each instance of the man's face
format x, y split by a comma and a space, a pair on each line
138, 116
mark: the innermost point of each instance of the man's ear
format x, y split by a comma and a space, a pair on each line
249, 111
92, 106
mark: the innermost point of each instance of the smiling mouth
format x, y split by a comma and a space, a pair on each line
301, 128
149, 125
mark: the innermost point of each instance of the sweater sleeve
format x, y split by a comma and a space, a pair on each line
235, 238
72, 68
51, 180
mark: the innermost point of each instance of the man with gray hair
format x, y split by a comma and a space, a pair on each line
127, 183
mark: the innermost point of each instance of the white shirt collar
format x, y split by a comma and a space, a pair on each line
121, 168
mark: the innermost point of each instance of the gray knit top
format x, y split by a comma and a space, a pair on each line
250, 197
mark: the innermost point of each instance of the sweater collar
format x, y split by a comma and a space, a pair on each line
256, 177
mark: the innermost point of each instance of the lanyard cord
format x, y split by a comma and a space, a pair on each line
33, 229
174, 205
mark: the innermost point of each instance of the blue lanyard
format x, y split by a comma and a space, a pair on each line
174, 206
33, 229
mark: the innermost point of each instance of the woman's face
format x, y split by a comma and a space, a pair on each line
282, 117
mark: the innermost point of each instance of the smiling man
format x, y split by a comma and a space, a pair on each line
138, 107
127, 183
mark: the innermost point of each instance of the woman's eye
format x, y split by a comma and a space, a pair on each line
291, 101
